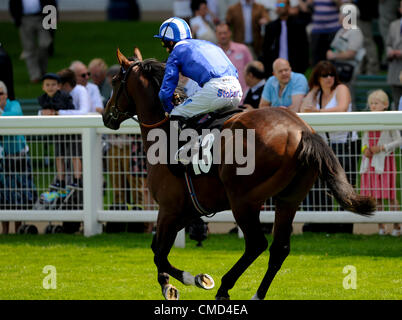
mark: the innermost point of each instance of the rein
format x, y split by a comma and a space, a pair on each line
155, 125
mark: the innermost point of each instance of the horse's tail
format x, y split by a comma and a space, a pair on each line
315, 152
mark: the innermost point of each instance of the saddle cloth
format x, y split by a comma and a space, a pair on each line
210, 120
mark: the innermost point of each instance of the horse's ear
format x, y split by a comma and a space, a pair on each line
123, 61
137, 53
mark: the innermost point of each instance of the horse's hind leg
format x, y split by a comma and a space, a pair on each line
286, 205
256, 243
280, 247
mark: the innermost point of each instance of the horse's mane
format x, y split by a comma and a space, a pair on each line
154, 70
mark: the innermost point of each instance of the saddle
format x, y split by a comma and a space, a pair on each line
210, 120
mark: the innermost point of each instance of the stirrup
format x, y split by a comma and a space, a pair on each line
182, 156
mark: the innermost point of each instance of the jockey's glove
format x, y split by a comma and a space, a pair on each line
168, 108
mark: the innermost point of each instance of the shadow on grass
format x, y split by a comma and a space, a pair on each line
333, 245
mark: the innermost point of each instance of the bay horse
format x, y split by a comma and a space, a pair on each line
289, 156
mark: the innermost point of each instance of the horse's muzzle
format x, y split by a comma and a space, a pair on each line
110, 122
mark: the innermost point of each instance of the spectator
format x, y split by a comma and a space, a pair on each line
368, 13
285, 88
285, 38
140, 194
213, 11
270, 5
71, 146
138, 171
324, 27
220, 8
238, 53
246, 19
54, 99
394, 55
378, 169
346, 50
118, 156
98, 69
6, 72
17, 187
111, 72
200, 26
304, 12
35, 39
328, 94
82, 76
255, 79
81, 99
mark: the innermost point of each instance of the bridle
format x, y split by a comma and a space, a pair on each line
115, 112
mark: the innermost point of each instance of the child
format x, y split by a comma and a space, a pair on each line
378, 169
53, 99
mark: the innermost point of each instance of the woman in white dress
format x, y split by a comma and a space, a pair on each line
328, 94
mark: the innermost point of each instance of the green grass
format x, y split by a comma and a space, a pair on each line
83, 41
121, 267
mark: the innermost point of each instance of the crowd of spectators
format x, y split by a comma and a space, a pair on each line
71, 91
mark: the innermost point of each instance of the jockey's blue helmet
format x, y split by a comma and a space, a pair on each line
174, 29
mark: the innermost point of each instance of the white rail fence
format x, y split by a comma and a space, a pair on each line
93, 213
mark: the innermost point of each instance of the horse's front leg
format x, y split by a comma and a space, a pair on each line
161, 244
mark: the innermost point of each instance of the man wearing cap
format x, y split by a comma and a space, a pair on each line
201, 61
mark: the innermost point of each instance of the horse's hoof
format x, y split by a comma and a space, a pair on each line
255, 297
170, 292
204, 281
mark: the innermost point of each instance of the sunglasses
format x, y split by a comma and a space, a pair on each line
1, 93
280, 5
165, 44
326, 75
85, 75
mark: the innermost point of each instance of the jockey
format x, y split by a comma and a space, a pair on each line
201, 61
